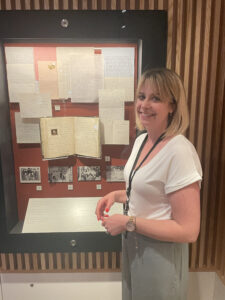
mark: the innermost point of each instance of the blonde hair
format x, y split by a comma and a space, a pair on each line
169, 86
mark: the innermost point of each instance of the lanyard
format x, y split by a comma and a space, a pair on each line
133, 170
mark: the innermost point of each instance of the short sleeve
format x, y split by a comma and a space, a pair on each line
184, 168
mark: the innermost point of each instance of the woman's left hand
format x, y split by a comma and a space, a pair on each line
115, 224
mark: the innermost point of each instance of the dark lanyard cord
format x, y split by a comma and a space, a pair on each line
133, 172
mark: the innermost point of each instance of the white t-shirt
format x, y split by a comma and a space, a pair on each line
175, 166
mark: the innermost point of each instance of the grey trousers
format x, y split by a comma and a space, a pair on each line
153, 269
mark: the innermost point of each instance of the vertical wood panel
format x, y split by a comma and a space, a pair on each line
210, 102
11, 262
179, 26
188, 46
196, 70
215, 168
98, 260
151, 4
43, 261
50, 261
74, 261
170, 34
203, 86
19, 262
220, 230
35, 261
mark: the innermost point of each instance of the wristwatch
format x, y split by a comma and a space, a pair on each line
131, 224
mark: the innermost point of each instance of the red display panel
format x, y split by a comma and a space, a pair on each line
30, 154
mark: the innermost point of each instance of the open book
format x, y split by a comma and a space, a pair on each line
65, 136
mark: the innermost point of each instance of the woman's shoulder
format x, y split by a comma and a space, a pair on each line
179, 144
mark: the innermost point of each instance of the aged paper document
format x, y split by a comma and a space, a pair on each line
65, 136
19, 55
16, 88
87, 77
64, 215
21, 78
20, 73
48, 78
119, 61
87, 136
111, 104
115, 132
63, 55
125, 83
35, 106
57, 137
27, 130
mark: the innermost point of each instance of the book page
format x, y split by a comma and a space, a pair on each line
57, 137
111, 104
64, 215
35, 106
27, 130
87, 136
48, 78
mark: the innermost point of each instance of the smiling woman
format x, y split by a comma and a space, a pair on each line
164, 89
162, 196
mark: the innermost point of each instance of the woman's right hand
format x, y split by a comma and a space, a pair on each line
104, 205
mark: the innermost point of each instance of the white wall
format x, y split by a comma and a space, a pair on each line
61, 286
95, 286
201, 285
219, 291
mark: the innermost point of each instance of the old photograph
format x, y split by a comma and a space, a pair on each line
30, 174
114, 173
89, 173
60, 174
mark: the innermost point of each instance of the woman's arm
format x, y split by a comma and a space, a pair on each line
105, 203
185, 223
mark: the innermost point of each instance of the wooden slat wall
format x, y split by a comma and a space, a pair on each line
196, 51
60, 262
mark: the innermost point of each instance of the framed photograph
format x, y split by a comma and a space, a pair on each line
89, 173
114, 173
30, 174
60, 174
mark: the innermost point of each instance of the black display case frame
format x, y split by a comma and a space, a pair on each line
148, 29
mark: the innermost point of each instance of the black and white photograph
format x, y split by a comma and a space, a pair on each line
114, 173
30, 174
89, 173
60, 174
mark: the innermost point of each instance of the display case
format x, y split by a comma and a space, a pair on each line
67, 96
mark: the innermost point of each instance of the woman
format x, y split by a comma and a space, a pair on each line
162, 201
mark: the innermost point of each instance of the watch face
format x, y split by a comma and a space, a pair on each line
130, 225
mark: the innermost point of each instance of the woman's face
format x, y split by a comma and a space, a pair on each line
151, 109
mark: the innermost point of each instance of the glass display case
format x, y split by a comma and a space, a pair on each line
68, 121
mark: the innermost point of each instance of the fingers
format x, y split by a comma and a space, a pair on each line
101, 209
